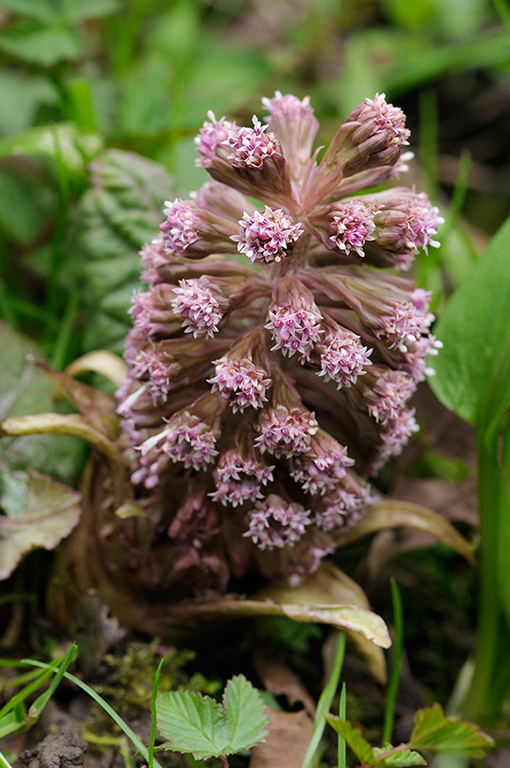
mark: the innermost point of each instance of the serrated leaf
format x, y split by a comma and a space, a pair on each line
403, 759
191, 723
246, 718
199, 725
113, 219
434, 731
354, 739
52, 510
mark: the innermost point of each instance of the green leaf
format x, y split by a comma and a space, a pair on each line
24, 389
41, 10
24, 206
220, 79
436, 732
401, 759
75, 11
10, 723
475, 331
119, 213
62, 142
199, 725
52, 511
244, 709
354, 739
22, 94
46, 46
144, 106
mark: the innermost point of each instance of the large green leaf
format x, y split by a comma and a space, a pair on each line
114, 218
475, 331
198, 724
473, 379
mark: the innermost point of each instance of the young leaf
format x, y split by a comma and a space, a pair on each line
434, 731
192, 723
199, 725
352, 736
403, 759
246, 718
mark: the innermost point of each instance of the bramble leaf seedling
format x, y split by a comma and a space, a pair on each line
199, 725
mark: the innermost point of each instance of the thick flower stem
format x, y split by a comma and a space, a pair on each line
491, 676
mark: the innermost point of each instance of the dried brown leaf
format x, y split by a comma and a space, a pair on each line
286, 744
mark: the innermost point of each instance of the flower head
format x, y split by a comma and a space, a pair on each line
267, 236
275, 523
406, 224
252, 147
199, 303
346, 227
241, 375
294, 319
270, 363
293, 122
320, 468
240, 474
212, 136
342, 356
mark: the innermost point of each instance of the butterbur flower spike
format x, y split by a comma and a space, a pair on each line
272, 360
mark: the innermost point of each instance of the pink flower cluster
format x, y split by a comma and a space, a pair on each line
272, 354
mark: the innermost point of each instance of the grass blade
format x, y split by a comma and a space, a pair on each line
342, 712
4, 763
41, 701
324, 703
398, 645
154, 724
19, 697
104, 704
